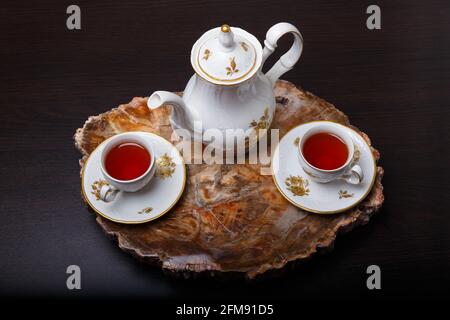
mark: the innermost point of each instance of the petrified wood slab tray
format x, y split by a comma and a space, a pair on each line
230, 218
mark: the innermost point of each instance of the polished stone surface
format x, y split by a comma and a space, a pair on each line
231, 218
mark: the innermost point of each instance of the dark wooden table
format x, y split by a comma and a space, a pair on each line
394, 83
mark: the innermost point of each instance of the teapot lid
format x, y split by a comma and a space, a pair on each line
226, 55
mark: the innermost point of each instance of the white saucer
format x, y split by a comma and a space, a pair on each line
323, 198
147, 204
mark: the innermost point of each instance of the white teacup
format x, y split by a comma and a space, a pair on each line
109, 192
352, 174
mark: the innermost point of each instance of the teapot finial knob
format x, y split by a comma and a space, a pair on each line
226, 37
225, 28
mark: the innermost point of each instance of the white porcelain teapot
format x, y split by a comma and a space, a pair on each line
228, 89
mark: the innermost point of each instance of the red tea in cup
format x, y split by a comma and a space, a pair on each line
127, 161
325, 151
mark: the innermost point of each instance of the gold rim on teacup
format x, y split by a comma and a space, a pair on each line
352, 174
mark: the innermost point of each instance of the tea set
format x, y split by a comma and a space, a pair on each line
321, 167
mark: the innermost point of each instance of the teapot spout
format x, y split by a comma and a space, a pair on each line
179, 118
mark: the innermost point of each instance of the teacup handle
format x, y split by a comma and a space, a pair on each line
108, 193
290, 58
354, 176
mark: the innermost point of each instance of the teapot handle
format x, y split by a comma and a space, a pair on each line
290, 58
